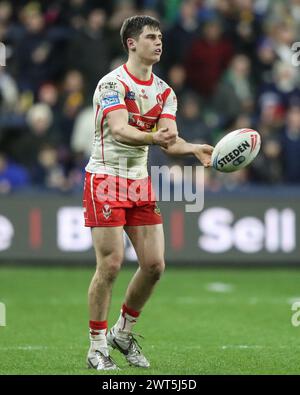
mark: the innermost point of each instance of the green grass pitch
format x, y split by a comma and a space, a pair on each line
198, 321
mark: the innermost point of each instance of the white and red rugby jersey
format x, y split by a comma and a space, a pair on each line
146, 102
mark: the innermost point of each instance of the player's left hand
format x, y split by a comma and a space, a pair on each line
203, 153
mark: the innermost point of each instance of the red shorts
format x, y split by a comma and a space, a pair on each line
117, 201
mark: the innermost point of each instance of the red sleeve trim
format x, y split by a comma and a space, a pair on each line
168, 116
117, 107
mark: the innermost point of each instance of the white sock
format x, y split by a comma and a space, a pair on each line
98, 341
98, 336
126, 321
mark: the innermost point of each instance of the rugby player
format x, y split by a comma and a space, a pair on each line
129, 103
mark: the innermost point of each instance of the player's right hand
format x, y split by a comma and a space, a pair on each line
164, 137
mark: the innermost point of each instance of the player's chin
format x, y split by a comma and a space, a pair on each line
156, 58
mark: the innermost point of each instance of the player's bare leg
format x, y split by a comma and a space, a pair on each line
148, 242
109, 249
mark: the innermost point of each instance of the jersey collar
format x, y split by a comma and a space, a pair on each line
136, 80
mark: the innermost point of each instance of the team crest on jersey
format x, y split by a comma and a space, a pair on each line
130, 95
106, 211
143, 94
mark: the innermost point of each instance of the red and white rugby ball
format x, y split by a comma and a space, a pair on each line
236, 150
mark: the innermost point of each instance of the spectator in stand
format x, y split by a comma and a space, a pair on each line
39, 132
48, 94
264, 61
5, 12
234, 93
13, 177
243, 120
284, 86
83, 133
190, 122
71, 102
267, 167
122, 10
89, 50
181, 34
75, 12
176, 78
271, 116
283, 34
245, 29
291, 146
208, 58
36, 62
48, 173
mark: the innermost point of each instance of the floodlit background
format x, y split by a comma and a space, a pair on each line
232, 64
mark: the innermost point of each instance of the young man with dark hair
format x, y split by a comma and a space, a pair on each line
128, 103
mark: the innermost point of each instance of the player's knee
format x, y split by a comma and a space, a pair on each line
110, 266
155, 269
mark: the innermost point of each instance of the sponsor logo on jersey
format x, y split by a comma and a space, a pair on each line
106, 211
141, 122
107, 85
110, 99
130, 95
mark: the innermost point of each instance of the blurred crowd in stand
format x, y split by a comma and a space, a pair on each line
230, 62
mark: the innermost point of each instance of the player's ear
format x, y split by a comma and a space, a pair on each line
131, 43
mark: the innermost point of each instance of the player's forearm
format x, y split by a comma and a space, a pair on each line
132, 136
181, 147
